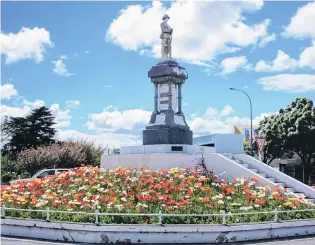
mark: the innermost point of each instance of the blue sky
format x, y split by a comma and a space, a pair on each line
88, 62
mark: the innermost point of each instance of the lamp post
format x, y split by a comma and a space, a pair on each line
251, 119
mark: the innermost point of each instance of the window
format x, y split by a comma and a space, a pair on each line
46, 173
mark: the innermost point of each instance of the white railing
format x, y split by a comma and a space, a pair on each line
160, 215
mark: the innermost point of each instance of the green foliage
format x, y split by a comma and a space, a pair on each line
291, 131
34, 130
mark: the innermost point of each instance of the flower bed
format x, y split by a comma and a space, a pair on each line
174, 191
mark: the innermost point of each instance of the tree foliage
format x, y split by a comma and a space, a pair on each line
291, 131
31, 131
60, 155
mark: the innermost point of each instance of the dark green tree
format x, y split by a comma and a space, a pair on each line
34, 130
291, 131
297, 128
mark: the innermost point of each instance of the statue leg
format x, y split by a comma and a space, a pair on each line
169, 45
163, 48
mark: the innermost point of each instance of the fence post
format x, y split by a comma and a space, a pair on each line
47, 215
223, 218
3, 211
160, 217
96, 217
276, 215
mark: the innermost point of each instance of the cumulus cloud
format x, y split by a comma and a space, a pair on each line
35, 104
62, 117
106, 139
112, 120
7, 91
26, 44
289, 82
232, 64
20, 111
213, 121
281, 63
201, 29
61, 69
227, 110
307, 57
302, 23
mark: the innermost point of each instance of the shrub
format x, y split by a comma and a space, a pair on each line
60, 155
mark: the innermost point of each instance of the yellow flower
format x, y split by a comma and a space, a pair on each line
6, 196
176, 175
288, 204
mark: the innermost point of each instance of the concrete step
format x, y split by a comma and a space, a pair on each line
245, 165
290, 189
311, 200
253, 169
280, 183
300, 194
271, 179
263, 175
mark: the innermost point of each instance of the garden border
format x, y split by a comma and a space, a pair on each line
91, 233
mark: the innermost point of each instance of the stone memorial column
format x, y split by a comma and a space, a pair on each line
179, 98
156, 109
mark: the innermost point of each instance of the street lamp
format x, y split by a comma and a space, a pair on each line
251, 119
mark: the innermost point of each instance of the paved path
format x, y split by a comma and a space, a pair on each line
22, 241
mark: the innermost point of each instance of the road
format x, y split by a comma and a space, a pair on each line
23, 241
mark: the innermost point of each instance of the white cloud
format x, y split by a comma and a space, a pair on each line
63, 57
289, 82
215, 123
7, 91
61, 69
201, 29
62, 118
281, 63
108, 86
307, 57
26, 107
73, 104
112, 120
302, 23
266, 40
86, 52
232, 64
26, 44
108, 139
35, 104
227, 110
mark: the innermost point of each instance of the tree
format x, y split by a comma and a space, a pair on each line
34, 130
297, 126
291, 131
274, 148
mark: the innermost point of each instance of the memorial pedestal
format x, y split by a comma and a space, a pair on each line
167, 124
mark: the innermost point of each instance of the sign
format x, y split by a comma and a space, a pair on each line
248, 135
260, 140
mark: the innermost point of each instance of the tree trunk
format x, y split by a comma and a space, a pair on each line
271, 160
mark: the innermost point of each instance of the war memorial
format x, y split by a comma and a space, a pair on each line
169, 146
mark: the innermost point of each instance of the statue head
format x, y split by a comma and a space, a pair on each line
165, 18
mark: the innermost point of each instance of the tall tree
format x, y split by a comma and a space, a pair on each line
274, 148
34, 130
297, 126
291, 131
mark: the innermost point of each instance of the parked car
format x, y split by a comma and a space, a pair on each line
43, 173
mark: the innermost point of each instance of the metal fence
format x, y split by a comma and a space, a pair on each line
160, 215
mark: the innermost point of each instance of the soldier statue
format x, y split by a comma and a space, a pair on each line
166, 36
